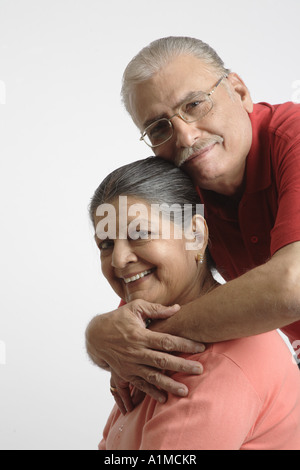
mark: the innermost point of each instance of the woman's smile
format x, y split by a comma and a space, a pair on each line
137, 276
147, 268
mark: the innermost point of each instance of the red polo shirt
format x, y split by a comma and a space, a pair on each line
247, 233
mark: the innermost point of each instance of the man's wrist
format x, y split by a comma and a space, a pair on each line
165, 326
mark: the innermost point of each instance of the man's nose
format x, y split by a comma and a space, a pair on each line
186, 134
123, 253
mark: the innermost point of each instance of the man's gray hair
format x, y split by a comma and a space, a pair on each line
159, 53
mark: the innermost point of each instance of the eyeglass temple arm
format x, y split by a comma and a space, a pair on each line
217, 84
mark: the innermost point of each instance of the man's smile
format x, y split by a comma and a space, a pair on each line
198, 150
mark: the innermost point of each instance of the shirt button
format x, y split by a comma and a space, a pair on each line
254, 239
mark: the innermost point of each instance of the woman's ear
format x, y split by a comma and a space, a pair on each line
199, 234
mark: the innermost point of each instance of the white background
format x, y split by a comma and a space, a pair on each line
62, 129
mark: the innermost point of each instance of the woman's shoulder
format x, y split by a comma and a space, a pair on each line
256, 345
265, 350
264, 361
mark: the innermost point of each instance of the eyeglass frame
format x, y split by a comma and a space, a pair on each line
209, 94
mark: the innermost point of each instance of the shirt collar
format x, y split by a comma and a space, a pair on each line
258, 165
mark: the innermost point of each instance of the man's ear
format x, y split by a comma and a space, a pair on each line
238, 86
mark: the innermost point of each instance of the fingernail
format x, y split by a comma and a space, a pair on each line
200, 348
176, 306
162, 400
197, 370
182, 392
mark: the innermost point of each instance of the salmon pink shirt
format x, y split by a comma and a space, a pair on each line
248, 398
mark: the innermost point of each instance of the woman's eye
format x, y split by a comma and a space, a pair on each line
106, 245
136, 235
144, 234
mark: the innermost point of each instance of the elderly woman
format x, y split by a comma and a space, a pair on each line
153, 246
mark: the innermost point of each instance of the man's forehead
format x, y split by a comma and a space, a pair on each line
170, 87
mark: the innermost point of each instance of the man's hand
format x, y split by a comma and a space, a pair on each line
119, 340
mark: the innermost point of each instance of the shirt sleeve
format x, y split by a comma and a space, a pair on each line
111, 420
219, 412
285, 147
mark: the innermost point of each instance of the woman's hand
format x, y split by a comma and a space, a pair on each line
138, 356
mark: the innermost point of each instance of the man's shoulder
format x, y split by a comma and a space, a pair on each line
280, 119
275, 110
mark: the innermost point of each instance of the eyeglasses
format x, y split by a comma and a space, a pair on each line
162, 130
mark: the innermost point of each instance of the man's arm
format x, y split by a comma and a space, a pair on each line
263, 299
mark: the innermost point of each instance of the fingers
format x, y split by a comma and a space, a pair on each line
120, 403
166, 385
137, 396
151, 382
121, 393
169, 343
139, 356
154, 311
149, 369
168, 362
124, 400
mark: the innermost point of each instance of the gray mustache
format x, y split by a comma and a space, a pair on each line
200, 145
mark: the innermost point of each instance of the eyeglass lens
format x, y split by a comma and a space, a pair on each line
162, 130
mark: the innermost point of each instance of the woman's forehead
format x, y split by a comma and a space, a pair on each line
116, 217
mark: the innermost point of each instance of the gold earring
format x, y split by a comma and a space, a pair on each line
199, 258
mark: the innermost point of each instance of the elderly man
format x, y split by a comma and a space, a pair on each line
244, 160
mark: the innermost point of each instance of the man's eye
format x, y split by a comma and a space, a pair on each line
190, 107
158, 129
194, 104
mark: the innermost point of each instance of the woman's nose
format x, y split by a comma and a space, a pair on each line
186, 134
123, 254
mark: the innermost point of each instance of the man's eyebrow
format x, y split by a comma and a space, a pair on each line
154, 119
185, 99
